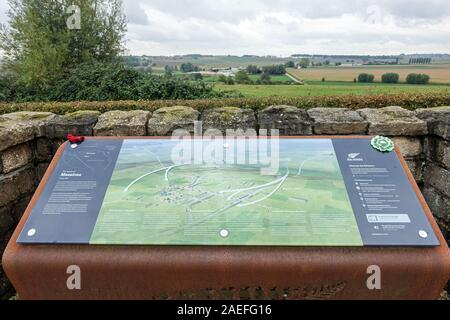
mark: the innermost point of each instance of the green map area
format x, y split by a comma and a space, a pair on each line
153, 201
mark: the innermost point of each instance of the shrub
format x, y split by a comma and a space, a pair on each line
242, 77
252, 69
197, 76
405, 100
188, 67
230, 81
290, 64
222, 78
417, 78
390, 78
106, 81
274, 70
366, 78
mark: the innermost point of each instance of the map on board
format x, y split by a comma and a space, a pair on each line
151, 200
242, 192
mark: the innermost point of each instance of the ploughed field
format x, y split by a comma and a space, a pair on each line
439, 73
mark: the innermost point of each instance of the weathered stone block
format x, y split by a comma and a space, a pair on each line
394, 121
16, 157
122, 123
167, 120
46, 148
437, 119
41, 168
34, 121
6, 220
80, 123
21, 127
438, 150
438, 203
438, 177
12, 133
337, 121
17, 184
410, 147
416, 168
290, 121
229, 119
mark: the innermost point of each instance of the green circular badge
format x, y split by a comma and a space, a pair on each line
383, 144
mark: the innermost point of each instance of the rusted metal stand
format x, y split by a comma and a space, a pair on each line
148, 272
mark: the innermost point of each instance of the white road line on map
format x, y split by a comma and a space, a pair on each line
269, 195
237, 191
142, 177
150, 173
170, 168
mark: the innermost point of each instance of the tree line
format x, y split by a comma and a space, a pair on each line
412, 78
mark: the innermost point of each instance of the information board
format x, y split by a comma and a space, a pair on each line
237, 192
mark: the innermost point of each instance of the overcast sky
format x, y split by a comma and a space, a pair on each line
285, 27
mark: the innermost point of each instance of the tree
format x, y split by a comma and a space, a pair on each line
197, 76
222, 78
414, 78
168, 70
252, 69
242, 77
390, 78
46, 38
290, 64
304, 63
366, 78
274, 70
188, 67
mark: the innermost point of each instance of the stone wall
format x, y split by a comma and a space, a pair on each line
28, 141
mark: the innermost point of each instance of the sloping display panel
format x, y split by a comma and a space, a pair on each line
237, 192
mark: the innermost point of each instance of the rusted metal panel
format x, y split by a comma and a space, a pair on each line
146, 272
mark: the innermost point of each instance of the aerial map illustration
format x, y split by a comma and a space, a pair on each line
153, 201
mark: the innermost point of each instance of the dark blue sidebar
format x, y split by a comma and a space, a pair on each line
67, 210
387, 209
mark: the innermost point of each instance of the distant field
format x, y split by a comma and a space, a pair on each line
253, 78
313, 88
220, 61
439, 73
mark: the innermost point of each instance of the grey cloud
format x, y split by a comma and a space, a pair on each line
284, 26
135, 13
233, 10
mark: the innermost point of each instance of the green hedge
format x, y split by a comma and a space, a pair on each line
417, 78
366, 78
408, 101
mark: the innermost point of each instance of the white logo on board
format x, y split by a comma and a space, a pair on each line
354, 157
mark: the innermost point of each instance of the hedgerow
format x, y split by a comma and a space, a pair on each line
408, 101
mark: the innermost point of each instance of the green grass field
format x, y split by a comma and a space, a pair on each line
317, 88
